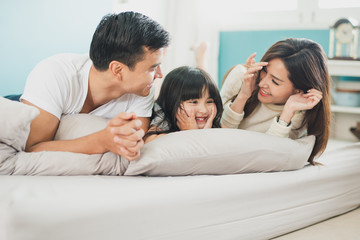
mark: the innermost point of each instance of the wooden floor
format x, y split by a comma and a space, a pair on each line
343, 227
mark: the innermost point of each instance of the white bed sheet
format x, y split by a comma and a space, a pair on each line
243, 206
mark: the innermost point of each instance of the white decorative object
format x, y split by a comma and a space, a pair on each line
344, 39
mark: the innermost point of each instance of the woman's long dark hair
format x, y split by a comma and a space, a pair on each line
306, 63
181, 84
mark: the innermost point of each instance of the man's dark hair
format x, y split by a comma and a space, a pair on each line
122, 37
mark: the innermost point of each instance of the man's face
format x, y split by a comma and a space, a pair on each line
140, 79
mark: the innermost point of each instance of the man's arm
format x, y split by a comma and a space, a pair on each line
127, 144
42, 129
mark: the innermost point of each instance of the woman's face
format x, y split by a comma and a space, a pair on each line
201, 108
275, 86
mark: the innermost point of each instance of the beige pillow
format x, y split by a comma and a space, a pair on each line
79, 125
220, 151
207, 151
16, 162
15, 122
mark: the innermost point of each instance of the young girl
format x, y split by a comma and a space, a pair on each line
286, 94
188, 99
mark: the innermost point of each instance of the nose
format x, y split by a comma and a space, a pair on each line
264, 82
158, 73
203, 108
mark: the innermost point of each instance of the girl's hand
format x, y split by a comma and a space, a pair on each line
185, 120
250, 77
211, 117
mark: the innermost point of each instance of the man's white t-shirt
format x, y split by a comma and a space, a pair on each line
59, 85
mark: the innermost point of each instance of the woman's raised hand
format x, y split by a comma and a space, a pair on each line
300, 102
304, 101
248, 84
250, 76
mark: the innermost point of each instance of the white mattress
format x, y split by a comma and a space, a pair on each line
244, 206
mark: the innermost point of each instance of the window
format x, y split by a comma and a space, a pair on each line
264, 5
327, 4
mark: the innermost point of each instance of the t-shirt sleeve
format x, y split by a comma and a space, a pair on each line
42, 88
142, 106
158, 119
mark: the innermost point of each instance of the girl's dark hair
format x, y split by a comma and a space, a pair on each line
122, 37
181, 84
306, 63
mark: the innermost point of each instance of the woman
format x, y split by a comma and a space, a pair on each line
286, 94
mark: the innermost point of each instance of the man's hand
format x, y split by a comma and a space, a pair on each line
124, 136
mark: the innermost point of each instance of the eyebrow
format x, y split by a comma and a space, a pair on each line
277, 78
155, 65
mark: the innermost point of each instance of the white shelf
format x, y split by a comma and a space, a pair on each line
343, 109
344, 68
344, 117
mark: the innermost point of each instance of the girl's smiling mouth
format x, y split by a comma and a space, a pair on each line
200, 119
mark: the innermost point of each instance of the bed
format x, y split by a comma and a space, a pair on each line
242, 206
252, 202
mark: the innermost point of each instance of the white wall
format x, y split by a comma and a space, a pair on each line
34, 30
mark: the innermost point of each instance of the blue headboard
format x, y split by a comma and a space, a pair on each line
236, 46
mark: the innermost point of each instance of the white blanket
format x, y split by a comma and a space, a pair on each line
241, 206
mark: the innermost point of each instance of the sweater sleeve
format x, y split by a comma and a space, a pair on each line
230, 118
279, 130
232, 83
293, 130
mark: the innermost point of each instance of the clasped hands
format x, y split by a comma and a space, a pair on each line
123, 136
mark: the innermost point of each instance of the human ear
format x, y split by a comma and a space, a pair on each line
116, 68
296, 91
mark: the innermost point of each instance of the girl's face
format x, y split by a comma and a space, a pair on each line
201, 108
275, 86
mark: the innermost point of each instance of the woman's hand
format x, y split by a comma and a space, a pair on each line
250, 76
304, 101
185, 119
248, 84
211, 117
300, 102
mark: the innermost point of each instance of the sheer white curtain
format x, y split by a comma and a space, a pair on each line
188, 26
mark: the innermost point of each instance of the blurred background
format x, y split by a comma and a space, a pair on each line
32, 30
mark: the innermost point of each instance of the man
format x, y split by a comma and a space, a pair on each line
114, 82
